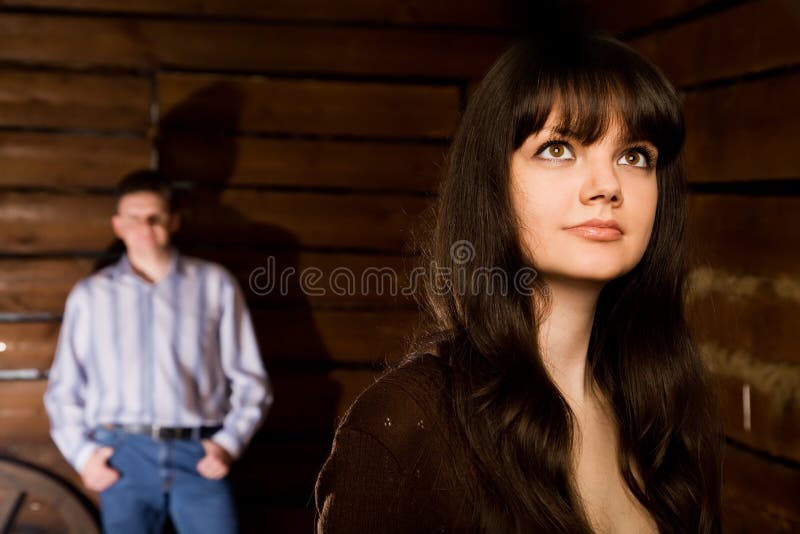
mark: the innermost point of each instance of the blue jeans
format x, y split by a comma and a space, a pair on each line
159, 478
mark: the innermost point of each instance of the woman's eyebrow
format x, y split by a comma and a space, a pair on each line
625, 138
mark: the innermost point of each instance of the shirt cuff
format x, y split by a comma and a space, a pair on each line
84, 453
228, 442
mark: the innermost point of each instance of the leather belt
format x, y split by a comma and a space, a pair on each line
166, 432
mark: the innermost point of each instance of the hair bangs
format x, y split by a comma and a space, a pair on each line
593, 85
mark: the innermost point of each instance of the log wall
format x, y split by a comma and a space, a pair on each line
312, 132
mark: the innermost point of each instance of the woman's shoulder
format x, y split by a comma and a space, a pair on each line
406, 399
392, 464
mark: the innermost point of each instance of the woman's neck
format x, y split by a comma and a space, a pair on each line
564, 335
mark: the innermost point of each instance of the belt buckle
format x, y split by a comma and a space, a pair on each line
155, 432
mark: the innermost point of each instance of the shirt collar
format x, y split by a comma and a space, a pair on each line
124, 267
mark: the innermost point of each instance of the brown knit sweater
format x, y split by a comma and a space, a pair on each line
395, 465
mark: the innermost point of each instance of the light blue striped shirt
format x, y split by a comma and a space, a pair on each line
181, 352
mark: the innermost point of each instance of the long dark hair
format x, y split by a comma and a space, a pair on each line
516, 425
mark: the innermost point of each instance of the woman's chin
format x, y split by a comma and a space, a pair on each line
595, 273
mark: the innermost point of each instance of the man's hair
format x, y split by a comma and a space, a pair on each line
147, 180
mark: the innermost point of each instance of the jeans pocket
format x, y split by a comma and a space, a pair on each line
108, 437
198, 446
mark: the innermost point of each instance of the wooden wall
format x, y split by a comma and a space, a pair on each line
312, 132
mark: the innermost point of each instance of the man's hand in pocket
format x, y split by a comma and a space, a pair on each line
97, 475
217, 461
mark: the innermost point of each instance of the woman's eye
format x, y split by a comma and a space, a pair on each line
555, 151
635, 158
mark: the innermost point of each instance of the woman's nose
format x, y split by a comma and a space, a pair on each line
602, 183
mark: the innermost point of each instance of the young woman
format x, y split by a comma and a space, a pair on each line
570, 398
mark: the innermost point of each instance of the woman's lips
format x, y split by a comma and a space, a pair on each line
596, 233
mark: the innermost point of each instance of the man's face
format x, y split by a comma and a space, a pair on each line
143, 222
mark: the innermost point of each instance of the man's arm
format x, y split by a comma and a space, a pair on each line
66, 388
251, 389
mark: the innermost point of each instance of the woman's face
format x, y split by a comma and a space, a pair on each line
557, 187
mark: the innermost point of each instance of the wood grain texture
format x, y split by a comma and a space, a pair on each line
759, 495
308, 130
44, 222
65, 161
299, 163
29, 159
71, 100
28, 345
148, 44
34, 286
745, 131
626, 15
756, 314
472, 13
263, 105
774, 401
741, 234
747, 38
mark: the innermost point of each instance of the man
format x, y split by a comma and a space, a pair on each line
157, 383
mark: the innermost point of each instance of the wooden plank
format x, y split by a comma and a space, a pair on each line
70, 100
65, 161
303, 219
749, 37
365, 336
302, 163
625, 15
472, 13
750, 235
285, 335
245, 47
23, 414
38, 222
28, 345
72, 161
31, 222
774, 403
753, 124
288, 278
30, 286
262, 105
303, 49
305, 403
755, 314
759, 495
40, 285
